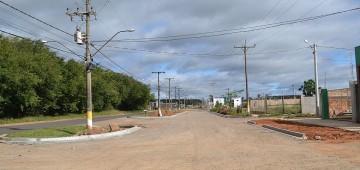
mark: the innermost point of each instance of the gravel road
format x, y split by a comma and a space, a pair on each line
194, 140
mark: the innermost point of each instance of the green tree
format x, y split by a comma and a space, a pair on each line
308, 89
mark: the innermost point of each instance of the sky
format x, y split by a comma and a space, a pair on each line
193, 41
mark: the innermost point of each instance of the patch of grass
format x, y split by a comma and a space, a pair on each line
64, 131
236, 112
271, 115
301, 115
287, 115
288, 109
67, 116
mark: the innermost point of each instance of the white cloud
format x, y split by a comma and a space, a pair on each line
195, 73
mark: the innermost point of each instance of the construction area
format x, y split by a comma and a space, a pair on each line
192, 140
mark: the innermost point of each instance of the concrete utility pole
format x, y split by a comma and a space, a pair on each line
245, 49
179, 97
212, 85
88, 60
317, 97
293, 86
228, 92
169, 91
159, 110
175, 96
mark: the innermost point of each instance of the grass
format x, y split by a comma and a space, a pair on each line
64, 131
67, 116
287, 115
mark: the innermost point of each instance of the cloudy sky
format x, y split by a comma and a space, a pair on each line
193, 41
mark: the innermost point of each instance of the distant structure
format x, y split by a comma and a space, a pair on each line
218, 100
236, 102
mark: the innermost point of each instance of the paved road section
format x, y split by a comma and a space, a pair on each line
30, 126
194, 140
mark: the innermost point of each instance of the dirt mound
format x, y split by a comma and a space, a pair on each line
164, 113
110, 128
313, 132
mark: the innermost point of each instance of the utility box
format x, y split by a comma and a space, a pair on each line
324, 104
355, 91
357, 59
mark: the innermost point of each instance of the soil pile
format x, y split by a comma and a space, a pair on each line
312, 132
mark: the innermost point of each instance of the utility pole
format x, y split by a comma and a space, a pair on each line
169, 91
228, 92
159, 106
317, 97
179, 97
245, 49
213, 84
282, 101
293, 86
175, 97
88, 60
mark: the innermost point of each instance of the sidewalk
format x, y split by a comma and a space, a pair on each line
331, 123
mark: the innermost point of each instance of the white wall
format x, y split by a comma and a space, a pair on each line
237, 102
220, 100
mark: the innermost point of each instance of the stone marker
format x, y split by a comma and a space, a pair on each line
114, 127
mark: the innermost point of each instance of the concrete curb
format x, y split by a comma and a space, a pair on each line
250, 122
284, 131
226, 116
288, 132
163, 117
71, 139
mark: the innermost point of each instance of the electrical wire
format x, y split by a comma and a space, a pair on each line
201, 54
36, 18
230, 31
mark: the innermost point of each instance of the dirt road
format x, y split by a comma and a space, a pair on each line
194, 140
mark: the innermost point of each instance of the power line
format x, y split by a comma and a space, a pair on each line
36, 18
272, 35
201, 54
230, 31
116, 63
339, 48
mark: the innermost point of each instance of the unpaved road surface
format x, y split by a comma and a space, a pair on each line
194, 140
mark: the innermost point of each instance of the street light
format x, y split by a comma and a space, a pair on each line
130, 30
313, 47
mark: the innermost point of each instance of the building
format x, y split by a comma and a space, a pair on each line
218, 100
236, 102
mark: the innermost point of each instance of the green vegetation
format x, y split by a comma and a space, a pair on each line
289, 109
65, 116
216, 107
65, 131
308, 89
36, 82
287, 115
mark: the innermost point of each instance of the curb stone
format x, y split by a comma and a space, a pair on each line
288, 132
163, 117
225, 116
284, 131
71, 139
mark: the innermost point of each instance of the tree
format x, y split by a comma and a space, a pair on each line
35, 81
308, 89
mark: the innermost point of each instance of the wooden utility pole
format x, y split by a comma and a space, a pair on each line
245, 49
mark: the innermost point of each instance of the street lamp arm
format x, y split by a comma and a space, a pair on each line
130, 30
